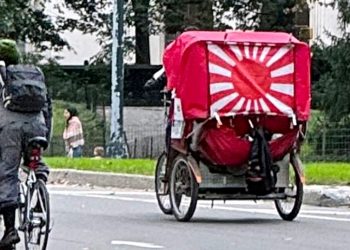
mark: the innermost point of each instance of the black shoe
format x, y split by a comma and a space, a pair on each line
9, 239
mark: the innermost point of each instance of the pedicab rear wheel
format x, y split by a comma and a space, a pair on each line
289, 208
162, 185
183, 189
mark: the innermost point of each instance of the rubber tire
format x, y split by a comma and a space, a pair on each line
175, 199
40, 185
165, 210
299, 195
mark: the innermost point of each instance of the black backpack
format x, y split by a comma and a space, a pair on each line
24, 88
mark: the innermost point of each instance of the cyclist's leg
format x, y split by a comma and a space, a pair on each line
10, 148
10, 236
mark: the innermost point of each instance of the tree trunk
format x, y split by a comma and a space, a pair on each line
182, 14
142, 50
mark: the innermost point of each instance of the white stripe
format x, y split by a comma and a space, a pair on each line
238, 105
215, 107
287, 89
237, 52
248, 105
303, 214
246, 51
216, 50
279, 54
135, 244
280, 105
256, 107
255, 52
220, 86
285, 70
264, 53
264, 105
216, 69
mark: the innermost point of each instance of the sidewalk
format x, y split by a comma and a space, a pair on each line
328, 196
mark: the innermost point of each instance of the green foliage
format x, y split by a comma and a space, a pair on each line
333, 87
125, 166
331, 71
20, 20
90, 85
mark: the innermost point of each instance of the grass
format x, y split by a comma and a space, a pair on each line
127, 166
327, 173
321, 173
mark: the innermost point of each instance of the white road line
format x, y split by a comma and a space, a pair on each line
303, 214
136, 244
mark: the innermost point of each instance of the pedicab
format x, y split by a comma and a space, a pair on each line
238, 114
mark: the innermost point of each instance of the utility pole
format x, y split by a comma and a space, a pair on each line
117, 147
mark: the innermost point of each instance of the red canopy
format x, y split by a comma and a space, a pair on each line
239, 72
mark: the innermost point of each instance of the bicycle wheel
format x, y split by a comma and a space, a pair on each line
183, 190
37, 226
162, 186
289, 208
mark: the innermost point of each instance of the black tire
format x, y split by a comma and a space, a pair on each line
36, 233
162, 186
294, 193
183, 186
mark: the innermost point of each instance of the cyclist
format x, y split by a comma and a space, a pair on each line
15, 131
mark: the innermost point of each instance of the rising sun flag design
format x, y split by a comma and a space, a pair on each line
251, 78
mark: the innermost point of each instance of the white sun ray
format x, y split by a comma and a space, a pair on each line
247, 107
264, 53
220, 86
235, 49
280, 105
238, 105
284, 70
256, 106
255, 52
216, 50
216, 106
284, 88
246, 51
216, 69
279, 54
263, 105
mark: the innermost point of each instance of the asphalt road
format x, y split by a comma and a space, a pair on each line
103, 219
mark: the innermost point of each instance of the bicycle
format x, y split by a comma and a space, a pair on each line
34, 205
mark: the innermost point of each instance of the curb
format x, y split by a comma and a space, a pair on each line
68, 176
326, 196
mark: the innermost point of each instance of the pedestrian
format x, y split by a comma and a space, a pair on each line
16, 128
73, 133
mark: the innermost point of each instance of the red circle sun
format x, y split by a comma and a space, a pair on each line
251, 79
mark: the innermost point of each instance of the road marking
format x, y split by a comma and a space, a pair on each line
302, 214
135, 244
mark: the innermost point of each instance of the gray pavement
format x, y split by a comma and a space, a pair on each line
327, 196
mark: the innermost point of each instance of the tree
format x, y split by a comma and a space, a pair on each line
22, 21
332, 87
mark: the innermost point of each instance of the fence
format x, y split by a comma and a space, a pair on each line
142, 142
148, 142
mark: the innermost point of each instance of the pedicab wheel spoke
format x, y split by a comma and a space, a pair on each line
162, 186
36, 232
183, 190
289, 208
